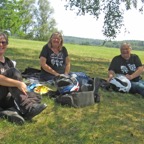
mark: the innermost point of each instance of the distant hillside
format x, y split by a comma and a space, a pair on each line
137, 45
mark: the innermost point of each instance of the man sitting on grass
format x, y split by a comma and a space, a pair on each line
129, 65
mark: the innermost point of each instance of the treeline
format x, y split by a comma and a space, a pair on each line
30, 19
136, 45
27, 19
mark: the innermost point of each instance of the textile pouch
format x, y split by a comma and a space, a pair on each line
81, 99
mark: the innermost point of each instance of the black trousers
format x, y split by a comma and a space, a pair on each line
12, 96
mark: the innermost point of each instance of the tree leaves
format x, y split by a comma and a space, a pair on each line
112, 9
27, 18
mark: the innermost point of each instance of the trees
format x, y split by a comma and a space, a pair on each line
26, 10
113, 11
9, 15
16, 16
44, 22
27, 18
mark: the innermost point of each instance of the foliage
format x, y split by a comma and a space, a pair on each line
44, 23
113, 11
10, 15
117, 119
27, 7
28, 19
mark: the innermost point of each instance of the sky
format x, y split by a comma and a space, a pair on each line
88, 27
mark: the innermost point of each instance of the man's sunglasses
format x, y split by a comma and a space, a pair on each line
3, 42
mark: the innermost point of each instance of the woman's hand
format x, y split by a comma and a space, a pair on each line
22, 87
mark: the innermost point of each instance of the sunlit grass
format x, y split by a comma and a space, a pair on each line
117, 119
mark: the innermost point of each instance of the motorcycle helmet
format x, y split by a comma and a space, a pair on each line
66, 84
120, 83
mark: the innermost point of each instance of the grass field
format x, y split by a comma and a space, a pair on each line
117, 119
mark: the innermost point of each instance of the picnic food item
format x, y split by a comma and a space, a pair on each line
41, 89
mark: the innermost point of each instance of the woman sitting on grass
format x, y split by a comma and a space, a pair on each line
54, 59
16, 104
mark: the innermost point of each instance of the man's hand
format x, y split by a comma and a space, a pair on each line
130, 77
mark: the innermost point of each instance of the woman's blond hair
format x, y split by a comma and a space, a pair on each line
50, 40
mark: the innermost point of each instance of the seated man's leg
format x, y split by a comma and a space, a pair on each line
138, 87
24, 103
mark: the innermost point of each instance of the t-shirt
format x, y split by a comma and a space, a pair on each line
122, 66
56, 61
6, 65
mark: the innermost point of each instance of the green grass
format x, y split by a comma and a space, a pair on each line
117, 119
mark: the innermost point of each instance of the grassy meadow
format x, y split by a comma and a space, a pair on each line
117, 119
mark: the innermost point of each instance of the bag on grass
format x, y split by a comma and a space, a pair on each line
31, 72
85, 96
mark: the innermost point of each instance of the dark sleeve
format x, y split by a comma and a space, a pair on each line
9, 62
65, 51
138, 61
44, 51
113, 64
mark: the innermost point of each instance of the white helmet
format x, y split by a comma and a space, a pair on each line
120, 83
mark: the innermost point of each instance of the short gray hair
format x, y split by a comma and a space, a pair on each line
126, 44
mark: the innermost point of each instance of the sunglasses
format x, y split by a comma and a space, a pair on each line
3, 42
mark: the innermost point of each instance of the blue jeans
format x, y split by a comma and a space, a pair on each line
137, 87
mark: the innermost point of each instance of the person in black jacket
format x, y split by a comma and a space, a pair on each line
130, 65
16, 104
54, 59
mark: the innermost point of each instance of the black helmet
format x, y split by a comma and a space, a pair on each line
66, 83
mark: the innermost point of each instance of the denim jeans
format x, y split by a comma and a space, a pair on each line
137, 87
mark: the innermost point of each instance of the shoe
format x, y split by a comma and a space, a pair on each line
12, 116
35, 110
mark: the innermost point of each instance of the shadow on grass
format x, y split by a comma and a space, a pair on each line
24, 58
118, 118
30, 58
92, 66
